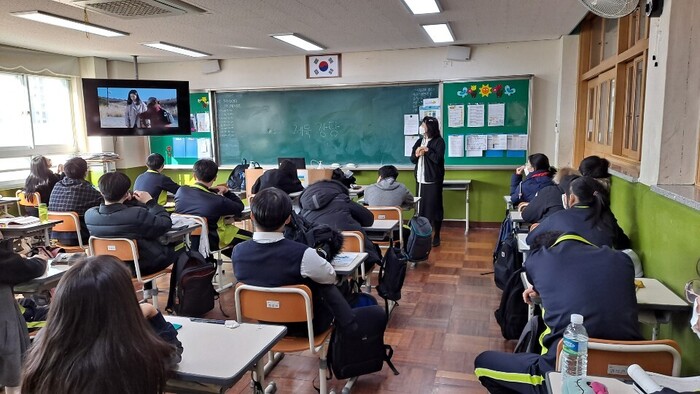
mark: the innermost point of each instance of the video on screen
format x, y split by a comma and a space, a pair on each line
134, 107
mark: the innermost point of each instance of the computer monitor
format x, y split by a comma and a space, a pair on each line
299, 162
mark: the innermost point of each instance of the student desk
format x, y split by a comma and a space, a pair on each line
48, 280
658, 299
5, 202
523, 247
346, 263
614, 386
413, 204
460, 184
381, 229
27, 230
180, 234
509, 205
220, 356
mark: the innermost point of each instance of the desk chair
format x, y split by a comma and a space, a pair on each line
610, 358
389, 213
24, 201
126, 250
354, 241
204, 229
287, 304
70, 224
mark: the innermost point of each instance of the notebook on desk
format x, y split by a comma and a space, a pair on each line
344, 259
19, 221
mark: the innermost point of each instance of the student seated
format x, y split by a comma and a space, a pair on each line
214, 203
387, 191
74, 193
564, 271
97, 339
548, 200
270, 260
597, 168
154, 182
328, 202
15, 338
284, 178
142, 220
586, 215
41, 180
538, 175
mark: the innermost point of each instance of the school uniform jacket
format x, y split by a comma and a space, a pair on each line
157, 185
546, 202
525, 190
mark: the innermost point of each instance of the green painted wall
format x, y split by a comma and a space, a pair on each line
665, 235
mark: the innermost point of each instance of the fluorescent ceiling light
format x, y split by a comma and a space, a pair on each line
174, 48
293, 39
51, 19
439, 33
419, 7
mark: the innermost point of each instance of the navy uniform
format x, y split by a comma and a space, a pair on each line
156, 184
566, 275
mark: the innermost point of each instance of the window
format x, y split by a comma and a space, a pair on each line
632, 135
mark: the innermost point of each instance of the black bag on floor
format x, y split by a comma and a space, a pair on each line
507, 260
191, 289
391, 276
511, 314
359, 349
419, 242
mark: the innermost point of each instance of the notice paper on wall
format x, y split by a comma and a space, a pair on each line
475, 115
497, 115
203, 122
497, 142
456, 146
203, 148
431, 101
429, 110
455, 114
517, 141
476, 145
408, 142
410, 124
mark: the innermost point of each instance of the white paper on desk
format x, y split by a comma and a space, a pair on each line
455, 115
203, 151
475, 115
408, 142
344, 259
517, 141
456, 146
203, 122
410, 124
497, 115
497, 142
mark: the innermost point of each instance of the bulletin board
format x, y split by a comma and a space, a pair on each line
186, 150
486, 121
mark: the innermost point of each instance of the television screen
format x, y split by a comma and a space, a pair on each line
121, 107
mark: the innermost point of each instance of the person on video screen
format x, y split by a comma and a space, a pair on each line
156, 116
134, 108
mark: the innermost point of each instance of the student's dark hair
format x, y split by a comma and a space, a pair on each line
591, 193
288, 167
155, 161
96, 339
388, 172
432, 126
113, 186
205, 170
75, 168
594, 167
565, 182
128, 97
39, 173
539, 162
545, 240
270, 209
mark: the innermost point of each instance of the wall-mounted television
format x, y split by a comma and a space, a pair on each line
128, 107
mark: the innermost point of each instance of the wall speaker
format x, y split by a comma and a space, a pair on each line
459, 53
210, 67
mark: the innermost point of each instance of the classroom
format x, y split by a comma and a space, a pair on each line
622, 88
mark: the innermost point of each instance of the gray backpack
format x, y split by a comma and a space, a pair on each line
419, 242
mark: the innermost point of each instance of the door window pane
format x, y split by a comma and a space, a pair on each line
596, 41
611, 113
610, 38
590, 119
603, 112
636, 129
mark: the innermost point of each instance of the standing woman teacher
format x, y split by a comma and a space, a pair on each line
428, 154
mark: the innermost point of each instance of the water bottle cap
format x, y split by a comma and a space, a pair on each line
576, 318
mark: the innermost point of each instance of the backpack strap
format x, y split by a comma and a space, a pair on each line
387, 358
571, 237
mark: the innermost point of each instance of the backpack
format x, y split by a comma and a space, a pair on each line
511, 314
529, 338
391, 276
321, 237
507, 260
191, 289
236, 179
419, 242
359, 349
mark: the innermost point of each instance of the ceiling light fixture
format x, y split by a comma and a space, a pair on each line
51, 19
439, 33
419, 7
164, 46
297, 41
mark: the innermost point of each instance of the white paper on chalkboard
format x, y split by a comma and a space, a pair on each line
203, 148
476, 142
455, 115
431, 101
497, 142
203, 122
497, 115
456, 146
410, 124
475, 115
408, 144
517, 141
475, 153
429, 110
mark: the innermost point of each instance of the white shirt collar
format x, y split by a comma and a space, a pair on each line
267, 237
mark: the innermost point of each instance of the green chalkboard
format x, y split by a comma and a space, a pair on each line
502, 105
361, 125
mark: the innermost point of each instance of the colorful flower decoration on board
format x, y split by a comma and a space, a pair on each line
473, 90
462, 93
485, 90
498, 90
509, 91
204, 101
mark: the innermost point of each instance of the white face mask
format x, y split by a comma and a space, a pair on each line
694, 320
423, 130
526, 171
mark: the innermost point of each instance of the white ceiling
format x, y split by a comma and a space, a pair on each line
338, 25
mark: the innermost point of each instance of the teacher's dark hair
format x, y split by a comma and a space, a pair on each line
540, 162
432, 126
96, 339
129, 101
270, 209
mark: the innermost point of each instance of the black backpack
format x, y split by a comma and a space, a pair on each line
321, 237
507, 260
391, 276
359, 349
511, 314
191, 290
419, 242
236, 179
529, 338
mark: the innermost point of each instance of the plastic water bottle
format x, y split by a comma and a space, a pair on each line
575, 355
